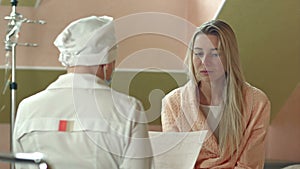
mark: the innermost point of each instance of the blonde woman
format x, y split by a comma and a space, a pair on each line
218, 99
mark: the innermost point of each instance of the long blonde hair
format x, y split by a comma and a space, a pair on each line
231, 125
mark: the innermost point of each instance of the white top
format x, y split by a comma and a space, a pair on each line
78, 122
215, 110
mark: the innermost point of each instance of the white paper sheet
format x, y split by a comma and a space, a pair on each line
176, 150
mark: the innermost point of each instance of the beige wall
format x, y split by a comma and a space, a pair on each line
58, 14
200, 11
177, 16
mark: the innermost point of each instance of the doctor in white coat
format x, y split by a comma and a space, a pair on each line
78, 121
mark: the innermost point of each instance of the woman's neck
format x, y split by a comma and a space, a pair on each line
211, 93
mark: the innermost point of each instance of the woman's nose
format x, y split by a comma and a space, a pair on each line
206, 59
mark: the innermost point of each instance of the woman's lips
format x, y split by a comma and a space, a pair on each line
205, 71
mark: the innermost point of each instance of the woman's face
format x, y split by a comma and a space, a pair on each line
208, 61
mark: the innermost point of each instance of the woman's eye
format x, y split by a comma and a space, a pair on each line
199, 54
215, 55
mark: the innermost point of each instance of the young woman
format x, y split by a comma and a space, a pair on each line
218, 99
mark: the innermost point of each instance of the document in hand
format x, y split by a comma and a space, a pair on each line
176, 150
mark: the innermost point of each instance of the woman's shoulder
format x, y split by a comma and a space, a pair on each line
257, 105
174, 94
255, 92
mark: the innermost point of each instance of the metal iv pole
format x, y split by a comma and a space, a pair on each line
15, 21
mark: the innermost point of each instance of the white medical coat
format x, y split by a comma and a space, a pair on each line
78, 122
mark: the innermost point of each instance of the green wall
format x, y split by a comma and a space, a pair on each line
268, 33
29, 82
148, 86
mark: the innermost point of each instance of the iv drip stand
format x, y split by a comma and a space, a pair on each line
11, 38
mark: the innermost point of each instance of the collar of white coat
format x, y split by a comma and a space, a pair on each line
79, 81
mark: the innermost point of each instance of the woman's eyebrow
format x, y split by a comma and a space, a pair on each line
198, 48
213, 49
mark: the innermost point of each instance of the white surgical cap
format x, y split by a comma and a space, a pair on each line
87, 42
